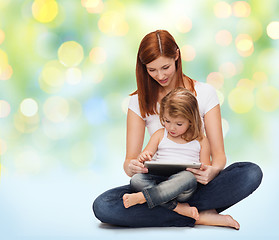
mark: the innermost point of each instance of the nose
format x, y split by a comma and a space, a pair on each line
160, 75
172, 127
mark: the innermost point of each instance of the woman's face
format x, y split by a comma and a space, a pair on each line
162, 70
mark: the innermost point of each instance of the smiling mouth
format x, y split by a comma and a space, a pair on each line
163, 81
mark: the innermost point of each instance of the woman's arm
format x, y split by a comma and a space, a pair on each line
205, 151
213, 128
214, 133
134, 143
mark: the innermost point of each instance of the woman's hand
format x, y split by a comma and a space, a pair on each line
136, 166
205, 174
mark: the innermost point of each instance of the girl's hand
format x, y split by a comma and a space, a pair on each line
136, 166
205, 174
145, 156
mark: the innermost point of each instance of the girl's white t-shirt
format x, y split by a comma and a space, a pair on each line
206, 96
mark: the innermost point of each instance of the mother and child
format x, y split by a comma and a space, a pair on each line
183, 117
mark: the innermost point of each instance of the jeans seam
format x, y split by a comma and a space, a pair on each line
148, 198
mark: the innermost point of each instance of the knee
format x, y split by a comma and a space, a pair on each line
254, 175
190, 179
98, 208
136, 182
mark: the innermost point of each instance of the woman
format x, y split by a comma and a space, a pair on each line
158, 71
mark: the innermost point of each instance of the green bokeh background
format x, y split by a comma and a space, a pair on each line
85, 151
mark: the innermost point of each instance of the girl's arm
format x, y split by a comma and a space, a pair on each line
213, 128
134, 143
152, 146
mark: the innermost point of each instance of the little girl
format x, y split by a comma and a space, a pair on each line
180, 141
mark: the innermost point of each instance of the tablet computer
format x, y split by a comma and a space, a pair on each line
167, 169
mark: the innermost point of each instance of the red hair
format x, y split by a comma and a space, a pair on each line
152, 46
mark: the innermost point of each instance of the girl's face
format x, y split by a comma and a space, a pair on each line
162, 70
176, 126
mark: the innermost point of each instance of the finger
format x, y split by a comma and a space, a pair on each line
194, 171
203, 167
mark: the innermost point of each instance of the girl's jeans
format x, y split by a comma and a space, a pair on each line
233, 184
165, 191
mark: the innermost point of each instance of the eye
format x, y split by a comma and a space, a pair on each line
151, 70
166, 67
179, 124
167, 121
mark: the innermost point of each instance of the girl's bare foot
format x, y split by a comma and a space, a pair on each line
185, 210
212, 218
132, 199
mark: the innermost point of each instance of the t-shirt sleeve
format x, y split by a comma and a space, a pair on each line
134, 104
211, 99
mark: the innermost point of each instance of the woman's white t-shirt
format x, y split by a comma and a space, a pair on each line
206, 96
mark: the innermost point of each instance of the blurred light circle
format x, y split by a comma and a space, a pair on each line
45, 11
246, 83
90, 3
259, 78
113, 23
188, 53
6, 72
216, 79
3, 58
222, 10
93, 6
244, 45
53, 74
26, 124
228, 69
29, 107
5, 109
241, 100
56, 109
184, 24
73, 76
3, 148
70, 54
273, 30
98, 55
267, 98
241, 9
2, 36
223, 38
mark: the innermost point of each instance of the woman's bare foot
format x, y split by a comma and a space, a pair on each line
185, 210
212, 218
132, 199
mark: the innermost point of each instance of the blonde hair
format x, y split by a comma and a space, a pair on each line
182, 103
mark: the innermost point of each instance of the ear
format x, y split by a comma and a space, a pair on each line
177, 54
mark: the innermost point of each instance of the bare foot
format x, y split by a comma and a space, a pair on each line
185, 210
212, 218
132, 199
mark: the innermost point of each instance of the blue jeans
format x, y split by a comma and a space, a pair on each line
165, 191
233, 184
